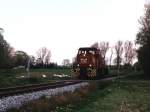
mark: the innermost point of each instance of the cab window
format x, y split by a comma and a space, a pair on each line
92, 52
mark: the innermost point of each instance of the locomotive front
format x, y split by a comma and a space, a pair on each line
86, 63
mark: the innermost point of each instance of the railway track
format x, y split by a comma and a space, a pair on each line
4, 92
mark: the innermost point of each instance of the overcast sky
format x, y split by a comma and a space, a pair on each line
65, 25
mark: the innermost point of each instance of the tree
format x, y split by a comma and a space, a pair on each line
5, 52
47, 58
143, 39
111, 55
32, 60
103, 47
44, 56
66, 62
119, 51
129, 53
21, 58
95, 45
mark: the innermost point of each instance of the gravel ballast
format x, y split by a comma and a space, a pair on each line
18, 100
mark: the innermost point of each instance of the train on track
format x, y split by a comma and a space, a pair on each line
89, 64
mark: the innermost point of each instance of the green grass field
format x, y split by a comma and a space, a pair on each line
13, 77
125, 97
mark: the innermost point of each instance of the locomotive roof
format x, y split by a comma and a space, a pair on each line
88, 49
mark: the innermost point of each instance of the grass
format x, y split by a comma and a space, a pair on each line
9, 77
130, 94
127, 97
66, 71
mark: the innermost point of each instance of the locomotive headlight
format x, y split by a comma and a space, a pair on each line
90, 65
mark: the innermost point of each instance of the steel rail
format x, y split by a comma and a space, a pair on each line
4, 92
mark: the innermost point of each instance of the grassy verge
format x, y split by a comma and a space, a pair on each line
9, 78
130, 94
125, 97
13, 77
66, 71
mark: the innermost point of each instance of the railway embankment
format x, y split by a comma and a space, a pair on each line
16, 101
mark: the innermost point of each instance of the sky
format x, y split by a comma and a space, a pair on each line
65, 25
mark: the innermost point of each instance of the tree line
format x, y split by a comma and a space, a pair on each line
122, 53
9, 58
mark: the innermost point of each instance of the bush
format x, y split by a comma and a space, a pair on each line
144, 59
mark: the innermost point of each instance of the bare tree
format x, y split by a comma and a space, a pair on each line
66, 62
129, 52
103, 47
119, 51
111, 55
44, 55
95, 45
47, 58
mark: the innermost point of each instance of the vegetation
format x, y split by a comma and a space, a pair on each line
143, 39
5, 52
20, 58
9, 58
18, 77
130, 94
127, 97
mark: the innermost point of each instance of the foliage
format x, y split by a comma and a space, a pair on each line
137, 66
143, 39
5, 53
144, 58
20, 58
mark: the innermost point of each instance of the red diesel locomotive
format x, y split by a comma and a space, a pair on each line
89, 63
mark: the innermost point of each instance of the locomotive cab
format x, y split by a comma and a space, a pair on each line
89, 63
